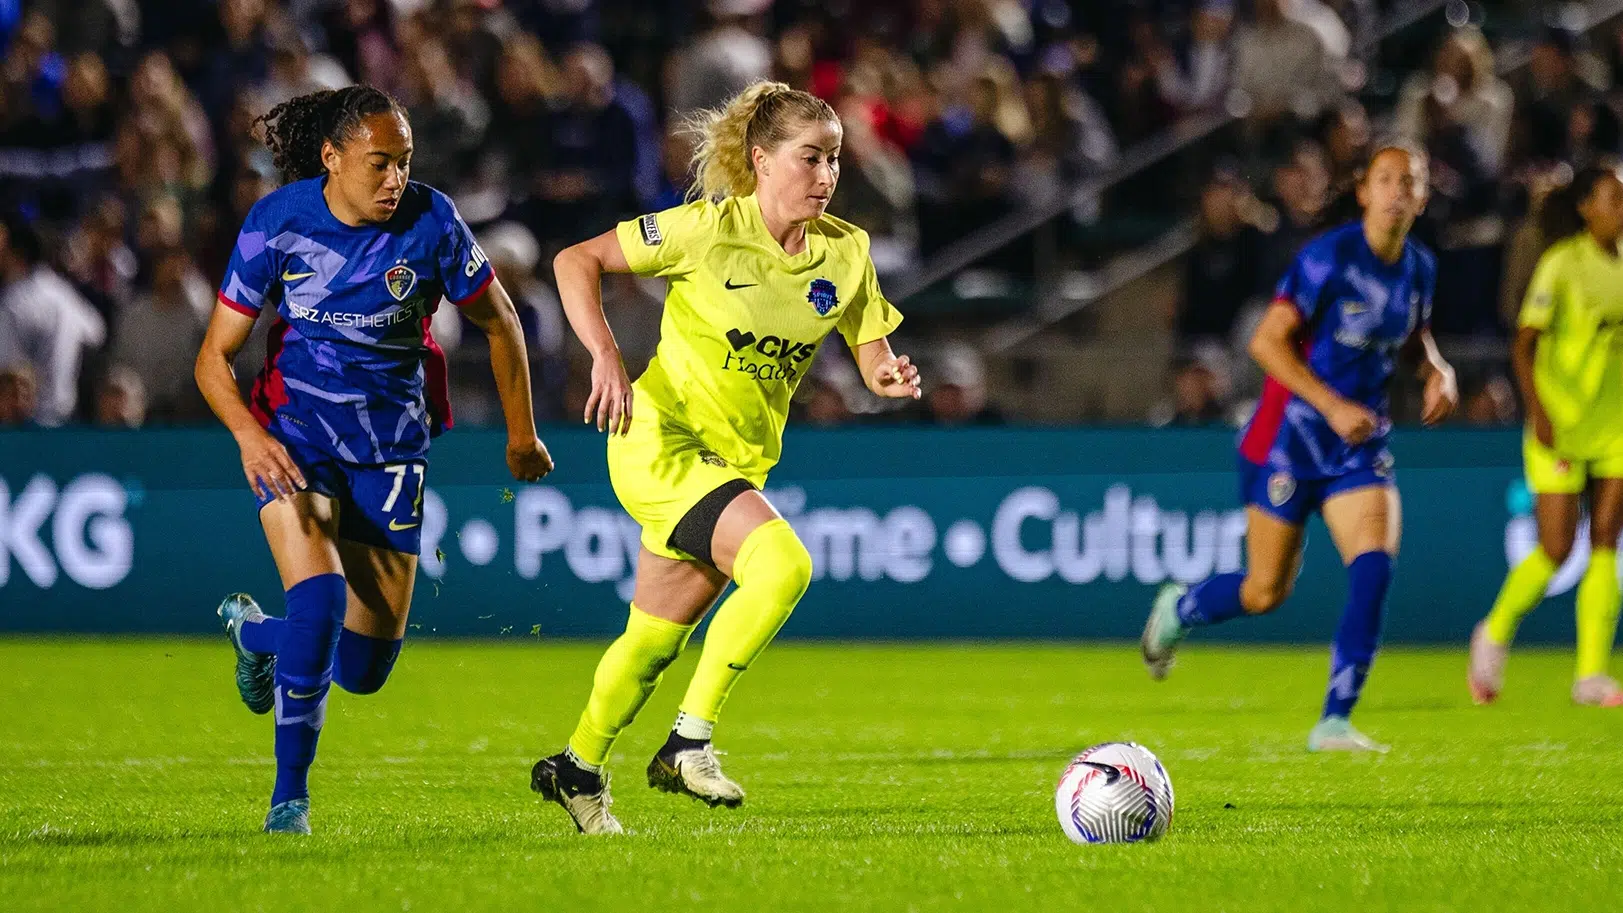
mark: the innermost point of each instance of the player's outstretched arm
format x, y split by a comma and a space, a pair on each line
885, 373
579, 270
1276, 347
1522, 353
493, 312
265, 462
1442, 394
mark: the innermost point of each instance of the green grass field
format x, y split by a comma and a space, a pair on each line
880, 777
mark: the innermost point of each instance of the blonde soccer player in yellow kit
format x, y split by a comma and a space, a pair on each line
1568, 357
759, 276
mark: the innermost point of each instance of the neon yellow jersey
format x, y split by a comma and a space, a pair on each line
743, 319
1576, 299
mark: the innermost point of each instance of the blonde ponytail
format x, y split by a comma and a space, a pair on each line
764, 114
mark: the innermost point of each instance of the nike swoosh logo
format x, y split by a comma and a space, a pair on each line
731, 287
294, 695
737, 667
290, 277
1112, 773
397, 526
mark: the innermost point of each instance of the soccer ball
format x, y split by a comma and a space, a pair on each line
1114, 793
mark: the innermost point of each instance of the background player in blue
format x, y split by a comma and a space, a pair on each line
1353, 297
352, 258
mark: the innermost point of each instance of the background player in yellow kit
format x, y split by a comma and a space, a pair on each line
759, 275
1568, 357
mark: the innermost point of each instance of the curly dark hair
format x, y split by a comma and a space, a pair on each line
294, 130
1561, 216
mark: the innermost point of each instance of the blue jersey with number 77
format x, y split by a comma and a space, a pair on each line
351, 369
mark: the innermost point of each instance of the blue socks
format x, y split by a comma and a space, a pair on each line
304, 662
1360, 633
263, 636
1212, 601
364, 663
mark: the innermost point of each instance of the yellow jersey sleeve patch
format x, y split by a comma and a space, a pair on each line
870, 315
668, 243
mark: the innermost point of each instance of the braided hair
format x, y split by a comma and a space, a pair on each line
294, 130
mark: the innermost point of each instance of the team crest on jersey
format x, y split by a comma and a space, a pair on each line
1280, 488
822, 296
400, 280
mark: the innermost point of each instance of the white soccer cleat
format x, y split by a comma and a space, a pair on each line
1163, 631
1486, 677
1334, 733
1597, 691
695, 772
585, 796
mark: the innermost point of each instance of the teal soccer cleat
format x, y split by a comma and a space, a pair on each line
1163, 631
1334, 733
290, 817
256, 672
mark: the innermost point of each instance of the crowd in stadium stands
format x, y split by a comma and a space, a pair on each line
127, 161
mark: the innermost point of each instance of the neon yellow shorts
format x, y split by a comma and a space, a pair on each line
660, 471
1551, 473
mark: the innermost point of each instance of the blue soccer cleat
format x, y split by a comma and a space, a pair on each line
256, 672
290, 817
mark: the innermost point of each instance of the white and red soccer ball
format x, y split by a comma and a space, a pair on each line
1117, 792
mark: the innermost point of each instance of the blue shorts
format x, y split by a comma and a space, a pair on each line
380, 506
1294, 500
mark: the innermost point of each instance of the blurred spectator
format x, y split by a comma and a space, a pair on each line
820, 403
1221, 272
1071, 142
158, 334
1547, 91
360, 37
1301, 186
1197, 397
121, 400
1491, 401
44, 323
1196, 77
955, 388
1281, 66
236, 57
514, 255
448, 118
1325, 23
293, 70
96, 259
676, 169
722, 60
163, 106
1461, 91
55, 134
964, 161
876, 191
1345, 137
477, 36
19, 395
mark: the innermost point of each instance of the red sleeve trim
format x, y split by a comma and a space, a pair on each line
459, 302
239, 308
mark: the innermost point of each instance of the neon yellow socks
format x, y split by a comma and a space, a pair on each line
1523, 590
1598, 598
772, 571
626, 677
